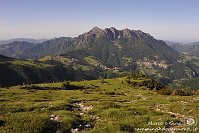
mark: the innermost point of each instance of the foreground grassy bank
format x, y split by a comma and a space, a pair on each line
111, 105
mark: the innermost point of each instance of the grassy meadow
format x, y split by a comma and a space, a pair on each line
106, 106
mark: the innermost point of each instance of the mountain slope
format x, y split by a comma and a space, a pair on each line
122, 50
135, 43
113, 45
50, 47
14, 72
15, 49
134, 51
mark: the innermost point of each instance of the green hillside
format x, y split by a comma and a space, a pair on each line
15, 72
53, 69
108, 106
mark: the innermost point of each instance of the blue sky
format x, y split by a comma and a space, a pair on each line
175, 20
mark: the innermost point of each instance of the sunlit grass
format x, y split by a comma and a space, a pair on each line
120, 107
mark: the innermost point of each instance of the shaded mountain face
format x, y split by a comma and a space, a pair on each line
15, 49
26, 50
50, 47
123, 50
114, 46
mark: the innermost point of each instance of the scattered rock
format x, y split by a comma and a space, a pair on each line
170, 130
135, 113
42, 108
83, 107
196, 99
157, 109
176, 115
74, 130
81, 113
125, 94
87, 126
183, 102
54, 117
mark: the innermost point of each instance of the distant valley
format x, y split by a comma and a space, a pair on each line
191, 48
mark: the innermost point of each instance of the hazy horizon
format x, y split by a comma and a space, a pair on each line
166, 20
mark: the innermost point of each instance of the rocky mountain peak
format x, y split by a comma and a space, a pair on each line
113, 29
96, 30
89, 36
111, 33
126, 32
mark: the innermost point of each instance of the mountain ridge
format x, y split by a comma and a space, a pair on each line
112, 49
110, 33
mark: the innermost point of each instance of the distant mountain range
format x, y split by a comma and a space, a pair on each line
21, 40
191, 48
170, 43
101, 53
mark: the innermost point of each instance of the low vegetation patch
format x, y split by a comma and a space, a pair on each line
67, 86
180, 92
137, 80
